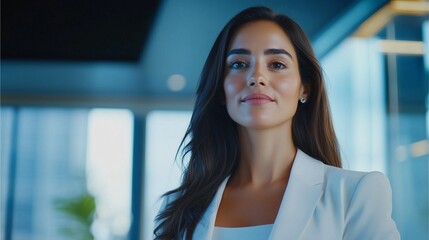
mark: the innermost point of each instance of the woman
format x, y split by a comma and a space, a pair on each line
264, 159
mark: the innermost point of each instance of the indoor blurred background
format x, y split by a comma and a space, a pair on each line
96, 96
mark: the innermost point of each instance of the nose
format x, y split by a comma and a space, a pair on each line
256, 77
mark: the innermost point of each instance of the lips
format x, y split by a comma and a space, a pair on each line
257, 99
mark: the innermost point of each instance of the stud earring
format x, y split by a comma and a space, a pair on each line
303, 100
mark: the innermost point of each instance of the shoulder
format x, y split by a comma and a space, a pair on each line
356, 185
354, 178
366, 200
314, 171
340, 185
359, 187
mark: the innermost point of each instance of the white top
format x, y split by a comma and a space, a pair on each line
260, 232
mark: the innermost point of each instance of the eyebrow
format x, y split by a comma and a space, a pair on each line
271, 51
238, 51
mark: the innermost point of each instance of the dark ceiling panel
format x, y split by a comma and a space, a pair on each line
75, 30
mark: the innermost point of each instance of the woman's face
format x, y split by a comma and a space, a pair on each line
262, 81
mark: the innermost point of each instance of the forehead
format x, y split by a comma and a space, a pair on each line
260, 35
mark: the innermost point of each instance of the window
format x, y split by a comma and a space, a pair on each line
378, 94
68, 173
164, 132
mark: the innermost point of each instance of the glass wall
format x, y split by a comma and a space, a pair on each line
378, 91
164, 132
66, 173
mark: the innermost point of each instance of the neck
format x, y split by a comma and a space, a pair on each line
266, 156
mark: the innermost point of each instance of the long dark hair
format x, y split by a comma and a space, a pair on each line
213, 137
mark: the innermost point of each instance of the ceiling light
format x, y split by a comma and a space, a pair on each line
176, 82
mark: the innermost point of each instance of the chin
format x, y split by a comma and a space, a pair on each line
257, 125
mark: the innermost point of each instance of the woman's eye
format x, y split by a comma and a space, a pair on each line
277, 65
237, 65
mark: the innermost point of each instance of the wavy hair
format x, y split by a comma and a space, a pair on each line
212, 136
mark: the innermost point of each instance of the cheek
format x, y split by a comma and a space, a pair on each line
288, 86
231, 87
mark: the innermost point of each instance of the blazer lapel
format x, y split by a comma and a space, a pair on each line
299, 201
205, 227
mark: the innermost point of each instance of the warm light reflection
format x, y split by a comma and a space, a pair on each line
402, 47
419, 148
414, 150
385, 15
413, 7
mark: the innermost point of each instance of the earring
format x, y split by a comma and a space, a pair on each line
303, 100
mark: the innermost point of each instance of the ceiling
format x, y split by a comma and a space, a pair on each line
129, 49
75, 30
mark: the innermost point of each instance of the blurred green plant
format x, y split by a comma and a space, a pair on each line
82, 210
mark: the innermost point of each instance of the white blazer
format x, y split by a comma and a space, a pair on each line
323, 202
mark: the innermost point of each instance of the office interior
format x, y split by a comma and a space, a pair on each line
96, 97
